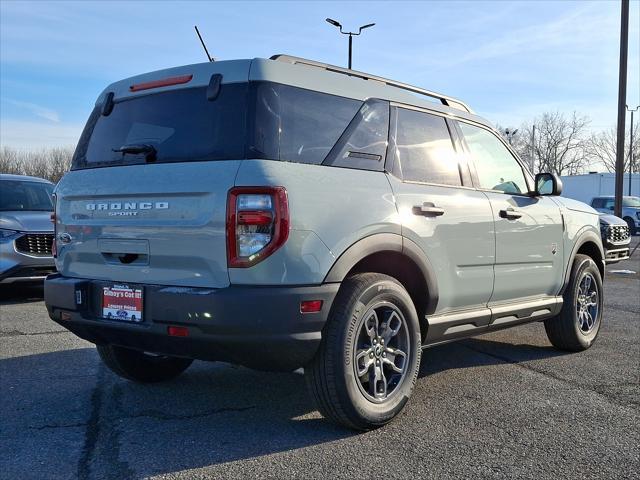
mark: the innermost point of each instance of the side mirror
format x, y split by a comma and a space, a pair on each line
548, 184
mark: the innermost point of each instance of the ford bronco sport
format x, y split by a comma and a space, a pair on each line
283, 213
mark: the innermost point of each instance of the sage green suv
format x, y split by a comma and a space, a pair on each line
283, 213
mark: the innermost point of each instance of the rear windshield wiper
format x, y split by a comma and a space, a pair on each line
149, 151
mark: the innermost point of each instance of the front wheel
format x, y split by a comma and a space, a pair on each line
141, 367
367, 363
579, 321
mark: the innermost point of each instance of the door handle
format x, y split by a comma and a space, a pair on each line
510, 214
428, 209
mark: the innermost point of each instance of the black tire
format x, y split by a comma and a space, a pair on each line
342, 395
631, 224
569, 330
141, 367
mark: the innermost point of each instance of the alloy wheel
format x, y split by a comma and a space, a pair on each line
382, 352
587, 303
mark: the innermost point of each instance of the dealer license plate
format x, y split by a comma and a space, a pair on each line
122, 302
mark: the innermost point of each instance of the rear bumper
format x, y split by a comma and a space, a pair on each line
259, 327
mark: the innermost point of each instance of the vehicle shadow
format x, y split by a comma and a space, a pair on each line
12, 294
460, 354
213, 414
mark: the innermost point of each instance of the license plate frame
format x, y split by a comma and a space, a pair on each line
122, 302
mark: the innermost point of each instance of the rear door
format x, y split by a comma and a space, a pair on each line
451, 222
529, 229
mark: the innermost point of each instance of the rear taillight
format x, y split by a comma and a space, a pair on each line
257, 224
54, 220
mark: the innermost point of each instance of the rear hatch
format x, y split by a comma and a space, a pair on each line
146, 200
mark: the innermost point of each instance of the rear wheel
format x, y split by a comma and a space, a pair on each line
367, 364
578, 324
140, 366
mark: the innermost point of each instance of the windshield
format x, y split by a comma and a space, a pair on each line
24, 195
631, 202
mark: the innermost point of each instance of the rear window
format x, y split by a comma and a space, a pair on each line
182, 125
16, 195
247, 120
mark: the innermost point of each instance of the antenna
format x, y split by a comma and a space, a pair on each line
211, 59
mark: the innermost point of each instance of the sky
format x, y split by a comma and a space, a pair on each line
510, 61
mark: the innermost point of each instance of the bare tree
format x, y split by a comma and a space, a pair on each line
558, 145
59, 162
601, 148
9, 161
50, 163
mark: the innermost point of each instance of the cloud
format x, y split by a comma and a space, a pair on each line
31, 135
37, 110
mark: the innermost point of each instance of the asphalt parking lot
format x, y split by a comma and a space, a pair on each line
503, 405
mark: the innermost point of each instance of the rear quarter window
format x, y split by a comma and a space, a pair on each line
297, 125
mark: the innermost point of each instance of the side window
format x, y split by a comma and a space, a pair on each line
497, 169
363, 145
610, 203
597, 203
424, 149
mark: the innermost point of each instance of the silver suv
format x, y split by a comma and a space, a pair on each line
26, 231
630, 210
285, 213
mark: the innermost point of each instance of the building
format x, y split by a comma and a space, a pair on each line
585, 187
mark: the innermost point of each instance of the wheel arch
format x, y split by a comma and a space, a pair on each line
589, 243
398, 257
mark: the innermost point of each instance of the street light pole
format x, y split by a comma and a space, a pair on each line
632, 110
622, 95
337, 24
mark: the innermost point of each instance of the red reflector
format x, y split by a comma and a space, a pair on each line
310, 306
65, 316
254, 217
165, 82
178, 331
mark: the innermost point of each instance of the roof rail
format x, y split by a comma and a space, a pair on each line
448, 101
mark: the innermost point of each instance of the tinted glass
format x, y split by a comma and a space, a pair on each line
19, 195
424, 148
364, 142
181, 124
597, 203
298, 125
631, 202
497, 169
